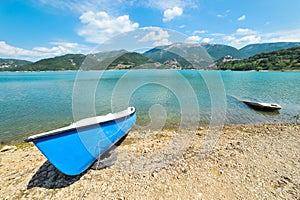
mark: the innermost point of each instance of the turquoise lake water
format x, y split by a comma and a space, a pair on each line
33, 102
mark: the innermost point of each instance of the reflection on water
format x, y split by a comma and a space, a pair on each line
268, 113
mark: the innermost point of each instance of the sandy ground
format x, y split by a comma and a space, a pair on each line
247, 162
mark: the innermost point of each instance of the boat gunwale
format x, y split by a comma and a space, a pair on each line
99, 120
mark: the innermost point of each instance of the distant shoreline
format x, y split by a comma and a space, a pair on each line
296, 70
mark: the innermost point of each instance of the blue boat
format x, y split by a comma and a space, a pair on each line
74, 148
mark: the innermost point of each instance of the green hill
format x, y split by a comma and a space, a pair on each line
284, 59
65, 62
8, 64
254, 49
129, 60
120, 59
217, 51
99, 61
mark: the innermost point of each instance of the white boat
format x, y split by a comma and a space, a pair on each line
263, 106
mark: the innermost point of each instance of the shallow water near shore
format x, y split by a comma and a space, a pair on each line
33, 102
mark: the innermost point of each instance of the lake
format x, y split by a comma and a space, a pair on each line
33, 102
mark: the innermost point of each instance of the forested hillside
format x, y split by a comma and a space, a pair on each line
285, 59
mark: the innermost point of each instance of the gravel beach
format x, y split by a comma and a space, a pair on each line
246, 162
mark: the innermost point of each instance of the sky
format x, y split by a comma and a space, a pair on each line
36, 29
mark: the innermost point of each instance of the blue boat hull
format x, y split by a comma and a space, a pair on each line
74, 150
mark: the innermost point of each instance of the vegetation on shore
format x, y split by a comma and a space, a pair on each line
6, 63
284, 59
129, 60
59, 63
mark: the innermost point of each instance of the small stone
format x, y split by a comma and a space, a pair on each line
104, 188
8, 148
44, 174
183, 170
88, 176
154, 174
146, 150
36, 181
199, 134
50, 174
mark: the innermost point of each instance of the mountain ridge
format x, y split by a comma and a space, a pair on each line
253, 49
174, 56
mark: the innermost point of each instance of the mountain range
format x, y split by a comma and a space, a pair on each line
174, 56
252, 49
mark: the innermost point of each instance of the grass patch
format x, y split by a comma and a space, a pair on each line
23, 145
129, 141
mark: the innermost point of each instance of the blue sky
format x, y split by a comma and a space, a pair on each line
36, 29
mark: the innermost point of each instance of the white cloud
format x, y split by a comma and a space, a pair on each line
161, 42
71, 45
117, 5
59, 48
241, 18
181, 26
199, 32
88, 5
207, 40
268, 23
6, 49
225, 14
217, 34
249, 39
167, 4
244, 37
156, 35
245, 31
229, 38
193, 39
170, 14
239, 41
99, 26
283, 36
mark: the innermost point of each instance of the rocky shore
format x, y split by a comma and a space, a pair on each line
245, 162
